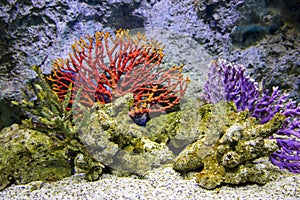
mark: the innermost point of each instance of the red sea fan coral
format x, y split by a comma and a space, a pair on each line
107, 67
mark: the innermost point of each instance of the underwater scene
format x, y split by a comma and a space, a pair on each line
150, 99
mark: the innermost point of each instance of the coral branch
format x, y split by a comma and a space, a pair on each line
229, 82
108, 67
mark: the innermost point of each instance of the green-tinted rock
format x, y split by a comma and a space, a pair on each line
231, 142
28, 155
116, 141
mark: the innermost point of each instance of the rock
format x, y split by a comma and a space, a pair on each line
266, 41
29, 155
261, 35
228, 148
116, 141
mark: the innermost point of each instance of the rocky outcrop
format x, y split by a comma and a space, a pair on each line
228, 148
263, 36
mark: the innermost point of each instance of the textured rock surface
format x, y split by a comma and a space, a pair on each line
266, 40
29, 155
263, 36
228, 147
117, 142
226, 144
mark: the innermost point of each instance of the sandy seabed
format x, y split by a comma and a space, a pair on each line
163, 183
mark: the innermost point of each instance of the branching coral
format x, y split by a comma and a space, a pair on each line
108, 67
56, 130
229, 82
103, 69
49, 113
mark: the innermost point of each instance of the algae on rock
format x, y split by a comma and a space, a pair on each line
216, 139
29, 155
230, 143
117, 142
48, 139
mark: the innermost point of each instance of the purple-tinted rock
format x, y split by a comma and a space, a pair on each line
261, 35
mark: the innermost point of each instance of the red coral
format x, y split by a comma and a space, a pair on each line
108, 67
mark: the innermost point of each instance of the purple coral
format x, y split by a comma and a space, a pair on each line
229, 82
267, 106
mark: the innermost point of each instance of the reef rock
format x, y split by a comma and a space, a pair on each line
230, 143
29, 155
115, 140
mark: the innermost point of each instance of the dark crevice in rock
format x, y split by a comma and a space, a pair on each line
268, 18
123, 16
9, 114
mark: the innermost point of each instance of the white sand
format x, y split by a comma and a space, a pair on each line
159, 184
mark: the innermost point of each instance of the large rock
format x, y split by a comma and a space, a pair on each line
261, 35
29, 155
116, 141
229, 146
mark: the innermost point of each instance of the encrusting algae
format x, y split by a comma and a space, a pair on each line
216, 140
227, 151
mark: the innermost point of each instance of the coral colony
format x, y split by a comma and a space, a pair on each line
107, 67
229, 82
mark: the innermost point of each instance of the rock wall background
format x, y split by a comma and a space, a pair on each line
262, 35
